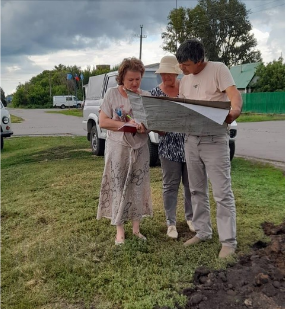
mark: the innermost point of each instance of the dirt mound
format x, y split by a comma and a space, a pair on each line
256, 281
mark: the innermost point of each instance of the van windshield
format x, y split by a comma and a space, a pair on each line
150, 80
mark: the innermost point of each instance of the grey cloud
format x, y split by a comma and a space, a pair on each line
14, 68
36, 27
39, 27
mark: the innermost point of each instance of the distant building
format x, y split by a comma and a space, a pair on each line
244, 76
9, 98
103, 66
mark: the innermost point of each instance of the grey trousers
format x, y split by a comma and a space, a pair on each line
208, 157
173, 173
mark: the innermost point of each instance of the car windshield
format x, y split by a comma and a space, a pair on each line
2, 106
150, 80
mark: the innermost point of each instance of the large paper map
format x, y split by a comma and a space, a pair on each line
180, 115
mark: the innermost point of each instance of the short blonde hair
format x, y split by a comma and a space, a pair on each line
129, 64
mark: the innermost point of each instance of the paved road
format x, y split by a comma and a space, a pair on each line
260, 140
39, 122
263, 140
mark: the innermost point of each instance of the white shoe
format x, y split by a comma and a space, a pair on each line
172, 231
191, 227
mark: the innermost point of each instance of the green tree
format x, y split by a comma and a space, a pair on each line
38, 92
3, 98
20, 98
270, 77
223, 27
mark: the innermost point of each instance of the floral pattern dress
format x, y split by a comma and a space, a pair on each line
125, 192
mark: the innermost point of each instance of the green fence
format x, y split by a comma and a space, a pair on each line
264, 102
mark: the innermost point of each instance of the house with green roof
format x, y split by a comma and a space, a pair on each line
244, 76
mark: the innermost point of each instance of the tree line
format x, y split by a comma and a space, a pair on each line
38, 92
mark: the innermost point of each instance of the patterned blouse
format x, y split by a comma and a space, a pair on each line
171, 145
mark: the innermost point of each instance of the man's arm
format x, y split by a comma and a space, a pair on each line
236, 104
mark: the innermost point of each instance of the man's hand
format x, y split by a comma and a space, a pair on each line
233, 114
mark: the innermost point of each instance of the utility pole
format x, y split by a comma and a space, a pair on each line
141, 36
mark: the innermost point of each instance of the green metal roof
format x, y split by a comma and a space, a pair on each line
243, 74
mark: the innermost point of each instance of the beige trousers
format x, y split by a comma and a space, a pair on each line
207, 157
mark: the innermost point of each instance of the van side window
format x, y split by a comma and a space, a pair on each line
68, 98
112, 82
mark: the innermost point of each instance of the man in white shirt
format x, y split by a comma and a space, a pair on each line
207, 155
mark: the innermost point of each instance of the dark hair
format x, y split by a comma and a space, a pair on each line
192, 49
129, 64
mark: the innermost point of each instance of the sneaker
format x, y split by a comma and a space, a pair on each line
226, 251
193, 241
191, 227
172, 231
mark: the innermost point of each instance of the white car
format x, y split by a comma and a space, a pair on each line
5, 124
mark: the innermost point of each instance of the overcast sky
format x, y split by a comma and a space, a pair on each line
36, 35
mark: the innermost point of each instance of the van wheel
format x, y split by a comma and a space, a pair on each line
63, 106
231, 150
97, 144
78, 105
153, 150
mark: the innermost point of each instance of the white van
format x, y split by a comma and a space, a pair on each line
64, 101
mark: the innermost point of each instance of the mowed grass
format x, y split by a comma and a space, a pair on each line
69, 112
15, 119
250, 117
55, 254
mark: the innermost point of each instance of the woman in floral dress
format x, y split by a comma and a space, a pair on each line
125, 190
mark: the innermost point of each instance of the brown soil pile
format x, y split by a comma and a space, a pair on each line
256, 281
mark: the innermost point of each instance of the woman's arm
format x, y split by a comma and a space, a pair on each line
110, 124
107, 123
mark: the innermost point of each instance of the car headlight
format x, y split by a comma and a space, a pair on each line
5, 119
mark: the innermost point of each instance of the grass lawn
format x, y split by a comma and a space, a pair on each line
15, 119
250, 117
69, 112
55, 254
